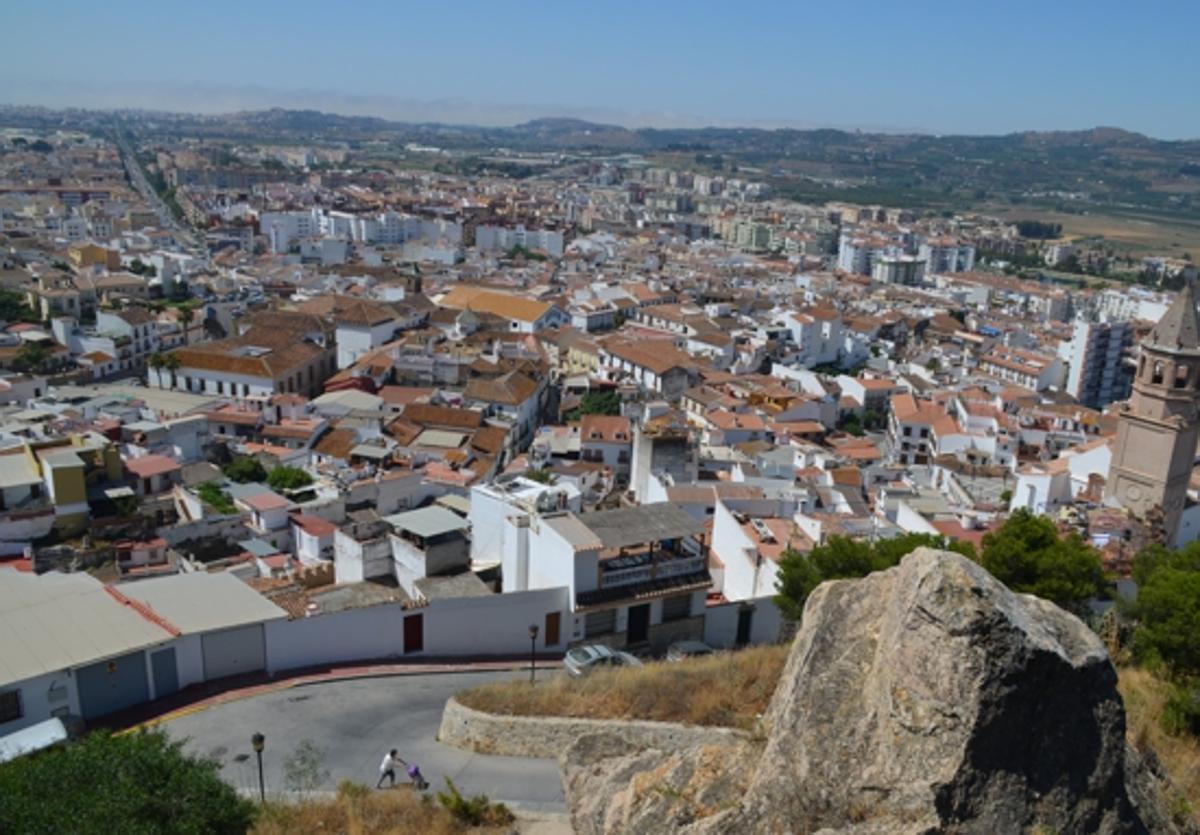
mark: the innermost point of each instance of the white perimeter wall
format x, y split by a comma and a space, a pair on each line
468, 626
720, 623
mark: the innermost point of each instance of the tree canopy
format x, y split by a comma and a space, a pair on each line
14, 309
1168, 607
288, 478
1028, 555
842, 557
244, 470
135, 783
597, 402
31, 357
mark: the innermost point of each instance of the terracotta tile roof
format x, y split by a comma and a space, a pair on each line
737, 420
336, 443
404, 431
295, 429
511, 389
489, 439
610, 428
403, 395
659, 358
447, 417
265, 501
314, 525
230, 414
236, 356
505, 305
148, 466
348, 310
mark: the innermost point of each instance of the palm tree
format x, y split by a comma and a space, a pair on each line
186, 315
157, 361
172, 363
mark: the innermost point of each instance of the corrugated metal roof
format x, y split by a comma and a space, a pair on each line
204, 602
637, 525
427, 521
53, 621
569, 527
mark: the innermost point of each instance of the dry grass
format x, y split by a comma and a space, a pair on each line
728, 689
1145, 695
358, 810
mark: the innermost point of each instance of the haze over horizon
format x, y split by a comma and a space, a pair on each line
941, 68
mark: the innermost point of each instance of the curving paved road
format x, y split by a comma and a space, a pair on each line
354, 722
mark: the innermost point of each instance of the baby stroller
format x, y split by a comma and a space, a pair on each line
418, 780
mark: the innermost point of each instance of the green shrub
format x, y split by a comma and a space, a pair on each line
1181, 713
130, 784
245, 470
288, 478
212, 494
475, 811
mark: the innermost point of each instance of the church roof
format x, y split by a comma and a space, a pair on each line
1179, 328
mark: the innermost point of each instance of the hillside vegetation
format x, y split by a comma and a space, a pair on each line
729, 689
1146, 696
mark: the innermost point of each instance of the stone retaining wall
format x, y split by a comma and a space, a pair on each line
536, 736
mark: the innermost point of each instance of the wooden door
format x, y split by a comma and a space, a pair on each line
553, 623
414, 633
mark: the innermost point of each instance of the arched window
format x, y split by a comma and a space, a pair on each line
1142, 367
1181, 376
1158, 373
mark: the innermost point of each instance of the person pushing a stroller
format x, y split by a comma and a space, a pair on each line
387, 769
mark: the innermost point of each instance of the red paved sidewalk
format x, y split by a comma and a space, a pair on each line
199, 697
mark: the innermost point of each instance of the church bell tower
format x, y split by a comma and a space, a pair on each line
1159, 426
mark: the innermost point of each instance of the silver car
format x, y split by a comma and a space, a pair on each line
682, 650
582, 660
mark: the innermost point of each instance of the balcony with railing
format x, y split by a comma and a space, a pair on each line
649, 565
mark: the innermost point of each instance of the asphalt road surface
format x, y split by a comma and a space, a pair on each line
354, 723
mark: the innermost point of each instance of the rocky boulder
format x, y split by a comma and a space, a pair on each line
925, 698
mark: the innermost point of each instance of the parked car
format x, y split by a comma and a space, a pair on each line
582, 660
682, 650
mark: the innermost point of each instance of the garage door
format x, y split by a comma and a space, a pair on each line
112, 685
165, 672
234, 652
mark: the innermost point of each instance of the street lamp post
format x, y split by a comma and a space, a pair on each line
259, 742
533, 633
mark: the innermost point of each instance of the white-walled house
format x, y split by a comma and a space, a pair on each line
747, 549
636, 576
360, 325
1044, 487
312, 538
494, 505
655, 365
608, 440
246, 372
513, 398
428, 542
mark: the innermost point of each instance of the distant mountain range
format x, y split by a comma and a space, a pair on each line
1102, 166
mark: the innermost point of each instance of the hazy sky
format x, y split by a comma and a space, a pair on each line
971, 66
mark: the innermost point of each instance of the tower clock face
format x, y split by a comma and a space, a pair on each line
1133, 492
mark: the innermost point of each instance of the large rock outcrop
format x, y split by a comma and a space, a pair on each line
925, 698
